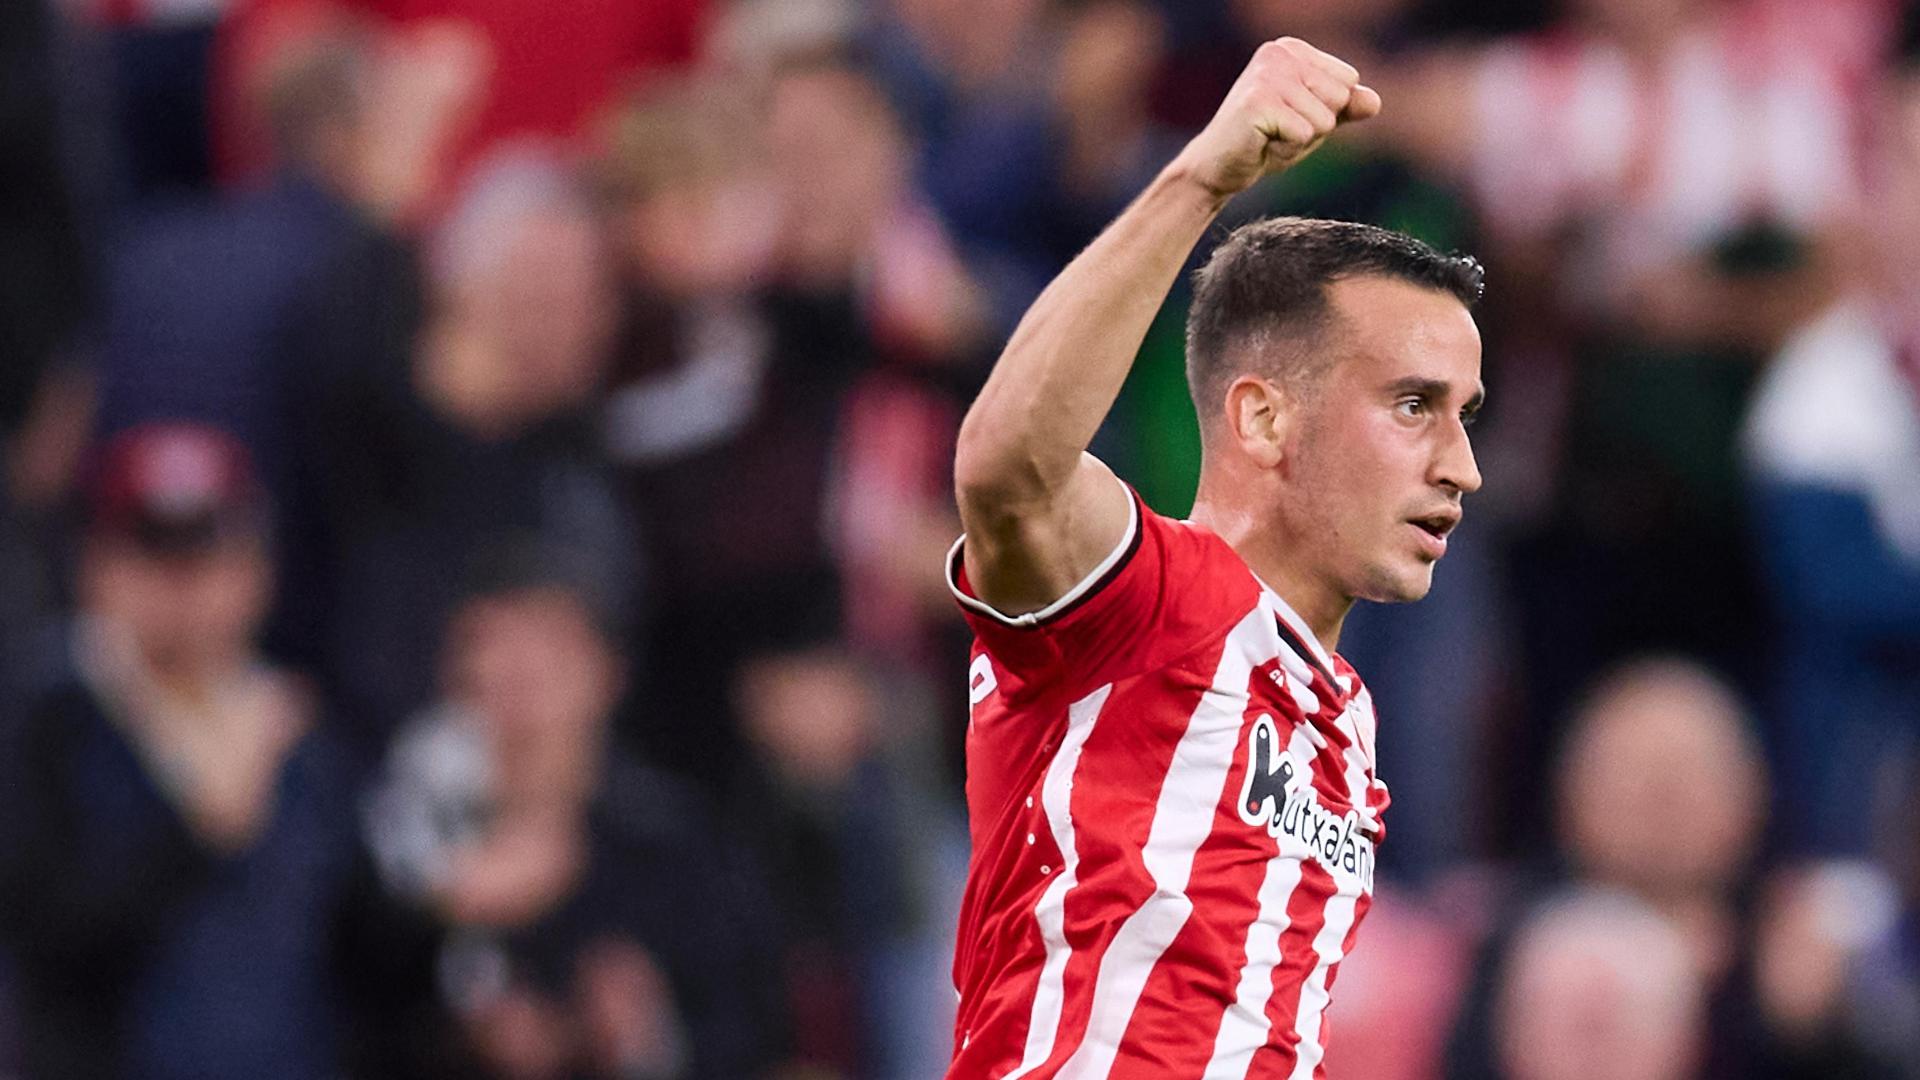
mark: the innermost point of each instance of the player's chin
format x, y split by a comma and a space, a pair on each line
1401, 582
1416, 590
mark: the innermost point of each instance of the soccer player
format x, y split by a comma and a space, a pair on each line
1171, 773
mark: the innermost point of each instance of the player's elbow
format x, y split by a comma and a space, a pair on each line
994, 475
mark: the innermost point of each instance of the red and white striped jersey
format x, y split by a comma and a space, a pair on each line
1174, 812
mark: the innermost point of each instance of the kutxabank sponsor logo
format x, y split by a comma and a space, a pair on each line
1279, 795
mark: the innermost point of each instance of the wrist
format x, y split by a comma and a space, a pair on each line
1184, 178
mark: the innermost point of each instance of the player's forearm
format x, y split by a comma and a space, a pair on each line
1064, 365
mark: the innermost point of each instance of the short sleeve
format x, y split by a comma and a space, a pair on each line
1165, 586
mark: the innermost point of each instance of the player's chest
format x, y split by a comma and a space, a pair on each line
1268, 768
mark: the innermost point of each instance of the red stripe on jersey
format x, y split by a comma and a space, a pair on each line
1190, 993
1306, 914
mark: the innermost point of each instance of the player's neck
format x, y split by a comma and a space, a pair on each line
1322, 607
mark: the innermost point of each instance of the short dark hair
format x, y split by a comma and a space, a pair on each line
1270, 277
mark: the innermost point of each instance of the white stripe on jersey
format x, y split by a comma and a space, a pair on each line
1056, 793
1329, 944
1183, 817
1243, 1029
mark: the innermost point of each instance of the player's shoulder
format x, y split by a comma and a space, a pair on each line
1158, 561
1203, 581
1186, 546
1168, 587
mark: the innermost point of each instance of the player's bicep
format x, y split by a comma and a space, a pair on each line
1023, 558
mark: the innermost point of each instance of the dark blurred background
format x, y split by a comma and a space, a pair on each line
476, 473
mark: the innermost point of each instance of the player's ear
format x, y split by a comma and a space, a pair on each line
1259, 419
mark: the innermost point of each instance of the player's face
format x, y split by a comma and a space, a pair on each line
1383, 458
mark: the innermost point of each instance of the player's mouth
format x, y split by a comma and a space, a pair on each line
1433, 529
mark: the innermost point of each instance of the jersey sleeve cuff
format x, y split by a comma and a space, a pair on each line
1084, 590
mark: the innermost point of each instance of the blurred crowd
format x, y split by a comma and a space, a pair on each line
476, 473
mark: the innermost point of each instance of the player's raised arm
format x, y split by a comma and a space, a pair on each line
1039, 511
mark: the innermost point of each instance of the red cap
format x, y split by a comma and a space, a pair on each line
175, 487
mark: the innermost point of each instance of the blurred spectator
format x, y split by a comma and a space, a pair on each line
732, 367
1666, 741
45, 264
693, 217
434, 414
411, 95
47, 270
1599, 987
855, 845
549, 73
887, 504
1832, 452
174, 837
1661, 794
198, 293
596, 924
1884, 998
1107, 142
1821, 1011
1027, 144
159, 64
853, 223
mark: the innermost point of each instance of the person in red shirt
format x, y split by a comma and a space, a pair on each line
1171, 779
509, 69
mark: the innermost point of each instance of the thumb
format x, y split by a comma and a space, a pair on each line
1364, 104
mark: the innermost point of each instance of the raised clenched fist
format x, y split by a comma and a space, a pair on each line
1290, 97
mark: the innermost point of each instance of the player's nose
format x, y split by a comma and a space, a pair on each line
1454, 466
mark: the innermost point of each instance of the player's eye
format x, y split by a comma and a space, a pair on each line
1411, 407
1469, 417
